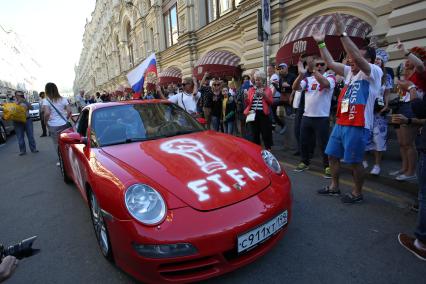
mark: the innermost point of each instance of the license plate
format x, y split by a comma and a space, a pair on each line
261, 233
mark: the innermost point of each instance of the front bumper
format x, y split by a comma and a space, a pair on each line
213, 233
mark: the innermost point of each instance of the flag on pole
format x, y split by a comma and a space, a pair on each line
266, 17
147, 70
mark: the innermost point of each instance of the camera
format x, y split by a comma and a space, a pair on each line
19, 250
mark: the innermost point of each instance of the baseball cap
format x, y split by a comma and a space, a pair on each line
282, 65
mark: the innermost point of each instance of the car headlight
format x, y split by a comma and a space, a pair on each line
271, 162
145, 204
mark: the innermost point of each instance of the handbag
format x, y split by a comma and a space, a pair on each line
14, 112
67, 123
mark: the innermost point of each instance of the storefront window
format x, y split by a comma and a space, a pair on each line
171, 26
217, 8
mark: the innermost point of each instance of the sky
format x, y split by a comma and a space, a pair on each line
53, 32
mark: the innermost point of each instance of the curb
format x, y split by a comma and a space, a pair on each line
316, 165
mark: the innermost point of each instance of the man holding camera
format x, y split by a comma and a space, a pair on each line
7, 267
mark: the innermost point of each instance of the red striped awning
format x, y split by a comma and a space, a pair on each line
218, 63
300, 41
355, 27
170, 75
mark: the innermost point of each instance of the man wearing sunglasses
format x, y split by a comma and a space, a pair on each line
318, 87
188, 98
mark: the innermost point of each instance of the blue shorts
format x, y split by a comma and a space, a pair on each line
347, 142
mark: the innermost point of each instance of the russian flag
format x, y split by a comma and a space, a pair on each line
148, 68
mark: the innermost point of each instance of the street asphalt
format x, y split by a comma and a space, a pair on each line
326, 242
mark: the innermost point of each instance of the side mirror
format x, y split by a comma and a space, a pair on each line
201, 120
71, 138
74, 117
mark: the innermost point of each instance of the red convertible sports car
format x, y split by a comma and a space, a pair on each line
169, 200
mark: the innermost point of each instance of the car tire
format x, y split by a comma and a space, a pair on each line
100, 227
64, 173
3, 134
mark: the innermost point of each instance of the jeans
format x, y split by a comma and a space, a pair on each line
215, 123
20, 130
314, 129
297, 124
261, 126
275, 117
421, 217
229, 127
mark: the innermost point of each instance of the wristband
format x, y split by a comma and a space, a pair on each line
321, 44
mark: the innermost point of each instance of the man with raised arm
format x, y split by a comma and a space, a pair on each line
354, 110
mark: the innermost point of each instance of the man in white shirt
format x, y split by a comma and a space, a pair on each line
188, 98
318, 89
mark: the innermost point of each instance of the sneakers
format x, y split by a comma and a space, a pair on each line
410, 244
328, 191
375, 170
349, 198
327, 172
396, 173
58, 164
365, 164
283, 129
403, 177
301, 167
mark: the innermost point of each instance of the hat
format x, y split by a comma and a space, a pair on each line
282, 65
420, 52
382, 55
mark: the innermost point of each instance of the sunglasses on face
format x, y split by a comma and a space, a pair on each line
216, 84
320, 64
184, 84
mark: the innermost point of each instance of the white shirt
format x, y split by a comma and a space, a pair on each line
317, 99
274, 79
55, 119
366, 88
186, 101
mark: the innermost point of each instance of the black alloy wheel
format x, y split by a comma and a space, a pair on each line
65, 176
3, 134
99, 226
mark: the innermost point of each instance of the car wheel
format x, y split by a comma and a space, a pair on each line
65, 176
99, 226
3, 134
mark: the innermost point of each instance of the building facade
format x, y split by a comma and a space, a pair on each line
192, 35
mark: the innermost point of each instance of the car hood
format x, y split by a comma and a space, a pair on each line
205, 170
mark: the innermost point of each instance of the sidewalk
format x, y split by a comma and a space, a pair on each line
285, 145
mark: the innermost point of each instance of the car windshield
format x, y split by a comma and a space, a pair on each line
35, 106
140, 122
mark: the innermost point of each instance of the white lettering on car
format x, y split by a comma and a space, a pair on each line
216, 179
199, 187
252, 174
235, 174
208, 163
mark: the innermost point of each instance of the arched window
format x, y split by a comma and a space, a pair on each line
129, 44
171, 26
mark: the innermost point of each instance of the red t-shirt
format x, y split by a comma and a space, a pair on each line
419, 79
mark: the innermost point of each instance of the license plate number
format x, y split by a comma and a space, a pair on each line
261, 233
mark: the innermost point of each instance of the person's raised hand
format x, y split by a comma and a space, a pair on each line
300, 68
318, 35
400, 46
338, 22
399, 119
